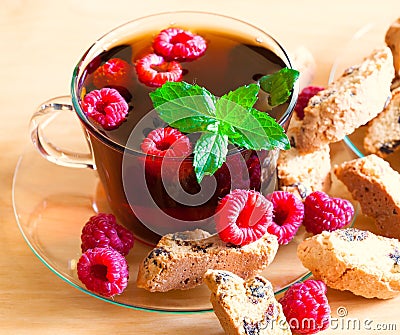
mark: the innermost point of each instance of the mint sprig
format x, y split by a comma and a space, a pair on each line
230, 118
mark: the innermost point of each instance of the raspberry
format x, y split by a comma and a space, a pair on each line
322, 212
306, 307
168, 142
178, 44
254, 169
237, 172
305, 95
103, 271
288, 215
106, 107
102, 230
115, 72
243, 216
152, 70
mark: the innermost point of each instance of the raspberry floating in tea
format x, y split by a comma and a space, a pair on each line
178, 44
106, 107
154, 70
114, 72
168, 142
171, 46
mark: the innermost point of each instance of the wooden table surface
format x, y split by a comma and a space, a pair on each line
41, 42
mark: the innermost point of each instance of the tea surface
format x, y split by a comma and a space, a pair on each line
227, 64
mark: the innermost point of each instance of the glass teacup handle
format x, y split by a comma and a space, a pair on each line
44, 116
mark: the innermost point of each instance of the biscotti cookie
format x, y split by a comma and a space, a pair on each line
376, 186
302, 174
383, 132
347, 103
354, 260
180, 260
245, 307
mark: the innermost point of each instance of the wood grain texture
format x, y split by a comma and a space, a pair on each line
41, 42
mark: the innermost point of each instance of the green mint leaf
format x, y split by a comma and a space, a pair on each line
269, 134
235, 104
187, 107
279, 85
209, 154
275, 134
232, 112
245, 96
242, 127
245, 126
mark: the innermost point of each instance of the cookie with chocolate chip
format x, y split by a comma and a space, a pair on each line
349, 102
355, 260
245, 307
180, 260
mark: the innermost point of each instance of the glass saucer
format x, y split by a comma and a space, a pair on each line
367, 38
52, 203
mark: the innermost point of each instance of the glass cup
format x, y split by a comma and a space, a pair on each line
150, 195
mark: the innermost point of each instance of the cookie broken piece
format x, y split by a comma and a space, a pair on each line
245, 307
375, 185
180, 260
383, 132
355, 260
347, 103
